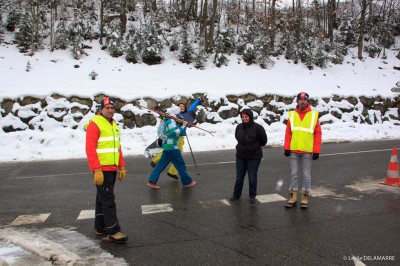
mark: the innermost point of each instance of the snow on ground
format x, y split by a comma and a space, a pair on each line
55, 73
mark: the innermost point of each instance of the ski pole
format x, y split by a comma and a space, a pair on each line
195, 164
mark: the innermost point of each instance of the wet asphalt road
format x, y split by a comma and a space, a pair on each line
350, 214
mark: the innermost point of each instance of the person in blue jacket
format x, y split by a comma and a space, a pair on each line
173, 172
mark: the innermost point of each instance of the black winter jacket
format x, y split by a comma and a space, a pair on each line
251, 137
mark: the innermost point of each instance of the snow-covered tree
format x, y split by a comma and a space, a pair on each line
200, 57
114, 41
152, 44
132, 50
186, 52
220, 58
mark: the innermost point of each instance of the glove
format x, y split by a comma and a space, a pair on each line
122, 173
315, 156
287, 153
98, 176
201, 99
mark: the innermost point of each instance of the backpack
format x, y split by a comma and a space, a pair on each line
160, 131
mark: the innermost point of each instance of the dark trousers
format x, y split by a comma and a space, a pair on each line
251, 167
106, 209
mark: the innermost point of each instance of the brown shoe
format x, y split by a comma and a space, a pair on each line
304, 200
118, 238
101, 233
292, 200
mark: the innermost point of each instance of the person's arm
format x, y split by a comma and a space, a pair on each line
121, 158
317, 138
92, 136
194, 105
288, 136
261, 135
173, 130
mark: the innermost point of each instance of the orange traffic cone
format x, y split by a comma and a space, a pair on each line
393, 177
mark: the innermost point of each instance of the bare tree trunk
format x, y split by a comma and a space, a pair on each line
154, 5
33, 5
204, 23
53, 8
331, 17
210, 41
183, 11
123, 18
272, 25
293, 8
361, 28
101, 21
238, 18
299, 18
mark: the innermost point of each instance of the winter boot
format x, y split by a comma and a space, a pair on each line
304, 200
292, 200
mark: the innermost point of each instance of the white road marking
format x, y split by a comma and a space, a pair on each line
212, 203
52, 175
30, 219
86, 214
270, 198
156, 208
322, 155
354, 152
213, 163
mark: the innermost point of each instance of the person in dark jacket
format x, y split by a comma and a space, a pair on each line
251, 137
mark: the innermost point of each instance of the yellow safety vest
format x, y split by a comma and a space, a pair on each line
108, 145
302, 131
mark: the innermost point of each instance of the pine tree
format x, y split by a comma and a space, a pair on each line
13, 19
321, 58
61, 35
291, 48
114, 41
200, 57
347, 32
23, 36
263, 53
133, 41
220, 59
77, 33
228, 40
152, 45
186, 53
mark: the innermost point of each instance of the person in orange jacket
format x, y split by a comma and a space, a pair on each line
105, 158
303, 145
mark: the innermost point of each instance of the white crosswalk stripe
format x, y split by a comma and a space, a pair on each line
270, 198
86, 214
30, 219
156, 208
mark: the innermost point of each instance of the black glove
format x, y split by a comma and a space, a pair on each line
315, 156
287, 153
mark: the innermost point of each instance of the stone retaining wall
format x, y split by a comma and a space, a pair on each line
34, 113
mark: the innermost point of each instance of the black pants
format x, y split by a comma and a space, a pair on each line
251, 168
106, 209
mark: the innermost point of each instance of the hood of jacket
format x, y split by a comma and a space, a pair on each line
248, 112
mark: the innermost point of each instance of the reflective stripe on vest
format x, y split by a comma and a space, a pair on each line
302, 131
108, 145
